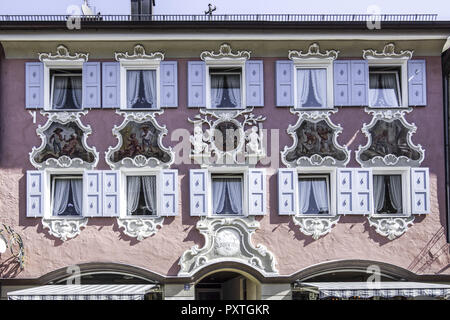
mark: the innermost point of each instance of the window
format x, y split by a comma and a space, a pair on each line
141, 6
66, 89
141, 89
141, 195
311, 87
384, 87
314, 194
387, 192
225, 87
67, 195
227, 194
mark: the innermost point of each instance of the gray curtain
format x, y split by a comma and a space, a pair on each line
234, 89
150, 86
218, 188
60, 196
319, 188
149, 185
133, 190
60, 92
395, 192
76, 84
217, 90
77, 194
133, 80
378, 192
304, 190
383, 90
234, 187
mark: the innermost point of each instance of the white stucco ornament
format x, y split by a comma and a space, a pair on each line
140, 228
227, 239
64, 228
315, 227
391, 227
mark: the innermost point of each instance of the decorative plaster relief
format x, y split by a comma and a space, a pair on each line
230, 137
62, 53
389, 140
315, 141
227, 239
313, 53
66, 228
315, 226
64, 143
225, 52
388, 52
140, 228
140, 142
138, 54
391, 227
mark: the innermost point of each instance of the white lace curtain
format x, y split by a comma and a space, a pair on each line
61, 195
320, 195
395, 192
134, 91
61, 91
312, 83
134, 185
227, 195
383, 90
233, 84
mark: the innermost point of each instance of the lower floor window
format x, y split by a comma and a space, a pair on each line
227, 195
141, 195
313, 194
387, 191
67, 195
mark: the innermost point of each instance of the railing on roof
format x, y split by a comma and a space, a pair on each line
229, 18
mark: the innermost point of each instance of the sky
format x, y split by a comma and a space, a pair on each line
440, 7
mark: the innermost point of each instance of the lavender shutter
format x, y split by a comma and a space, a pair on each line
362, 191
345, 191
169, 193
254, 74
110, 85
256, 191
287, 191
91, 85
341, 75
359, 83
196, 84
420, 190
35, 193
169, 84
198, 180
417, 83
285, 83
92, 193
34, 85
110, 193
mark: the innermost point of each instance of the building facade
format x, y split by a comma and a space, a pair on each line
223, 159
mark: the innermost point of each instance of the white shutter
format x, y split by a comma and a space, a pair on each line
198, 180
345, 191
287, 191
35, 193
256, 184
420, 190
362, 191
92, 193
169, 193
110, 193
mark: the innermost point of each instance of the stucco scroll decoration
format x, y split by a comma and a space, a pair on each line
389, 140
315, 226
313, 53
62, 53
66, 228
138, 54
230, 137
64, 143
227, 239
140, 142
315, 141
391, 227
388, 52
225, 52
140, 228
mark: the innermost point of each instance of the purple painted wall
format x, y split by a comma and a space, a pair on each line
421, 250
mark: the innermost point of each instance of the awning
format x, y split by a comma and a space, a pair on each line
377, 289
83, 292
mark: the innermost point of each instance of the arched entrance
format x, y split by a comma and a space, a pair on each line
228, 284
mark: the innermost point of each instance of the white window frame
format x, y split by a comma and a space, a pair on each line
314, 63
225, 63
331, 174
48, 192
406, 191
52, 86
139, 64
125, 172
243, 173
403, 81
50, 65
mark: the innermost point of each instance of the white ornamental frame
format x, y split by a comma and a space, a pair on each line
64, 161
227, 239
245, 153
391, 227
315, 227
390, 160
138, 161
140, 228
315, 160
64, 229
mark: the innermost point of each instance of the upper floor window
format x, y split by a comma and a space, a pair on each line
314, 194
311, 87
225, 87
142, 6
141, 195
66, 89
227, 194
387, 193
384, 87
141, 89
67, 195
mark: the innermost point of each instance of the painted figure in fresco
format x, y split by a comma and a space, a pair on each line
253, 141
133, 148
148, 140
325, 134
71, 145
56, 140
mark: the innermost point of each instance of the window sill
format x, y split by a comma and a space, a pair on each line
144, 217
65, 218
